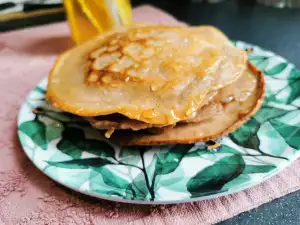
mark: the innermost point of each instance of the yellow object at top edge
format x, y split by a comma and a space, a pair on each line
87, 18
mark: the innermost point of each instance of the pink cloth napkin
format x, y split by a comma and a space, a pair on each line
28, 197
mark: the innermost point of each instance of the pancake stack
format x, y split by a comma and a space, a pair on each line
151, 85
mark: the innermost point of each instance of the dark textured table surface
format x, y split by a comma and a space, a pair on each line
274, 29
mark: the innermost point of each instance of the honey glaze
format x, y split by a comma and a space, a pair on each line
213, 108
240, 90
212, 121
228, 99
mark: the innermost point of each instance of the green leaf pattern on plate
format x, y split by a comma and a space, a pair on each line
72, 153
36, 130
214, 177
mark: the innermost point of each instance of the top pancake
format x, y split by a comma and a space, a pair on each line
155, 74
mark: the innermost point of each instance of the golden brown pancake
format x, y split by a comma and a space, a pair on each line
155, 74
152, 85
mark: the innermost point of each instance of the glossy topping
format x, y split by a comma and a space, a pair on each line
158, 75
215, 120
214, 104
